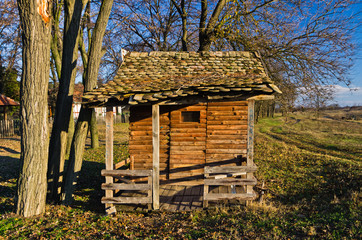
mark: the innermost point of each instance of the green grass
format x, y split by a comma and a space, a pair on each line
311, 171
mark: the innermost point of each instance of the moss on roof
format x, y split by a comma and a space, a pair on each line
182, 74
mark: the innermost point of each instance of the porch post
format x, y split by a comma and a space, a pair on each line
156, 156
250, 142
109, 155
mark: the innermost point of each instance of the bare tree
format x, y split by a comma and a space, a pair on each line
32, 182
85, 115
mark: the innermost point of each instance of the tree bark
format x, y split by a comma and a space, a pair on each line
58, 142
207, 32
32, 182
94, 130
90, 82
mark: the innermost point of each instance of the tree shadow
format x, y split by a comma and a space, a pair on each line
9, 170
88, 192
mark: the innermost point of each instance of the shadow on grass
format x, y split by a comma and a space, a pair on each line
9, 169
88, 192
87, 195
313, 146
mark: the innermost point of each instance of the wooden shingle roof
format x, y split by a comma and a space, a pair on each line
6, 101
151, 77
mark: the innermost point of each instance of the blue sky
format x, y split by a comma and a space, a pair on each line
353, 96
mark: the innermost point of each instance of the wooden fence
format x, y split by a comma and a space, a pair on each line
228, 176
9, 128
113, 187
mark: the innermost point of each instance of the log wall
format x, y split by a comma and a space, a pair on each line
219, 138
226, 132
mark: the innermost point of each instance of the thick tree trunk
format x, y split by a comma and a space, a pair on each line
32, 182
58, 142
90, 82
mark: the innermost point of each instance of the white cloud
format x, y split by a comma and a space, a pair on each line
348, 96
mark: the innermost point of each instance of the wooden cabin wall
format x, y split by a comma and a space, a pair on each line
226, 132
187, 144
140, 142
219, 138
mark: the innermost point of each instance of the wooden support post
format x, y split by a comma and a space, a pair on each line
110, 209
156, 156
250, 144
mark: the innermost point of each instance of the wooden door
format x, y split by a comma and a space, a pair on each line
187, 142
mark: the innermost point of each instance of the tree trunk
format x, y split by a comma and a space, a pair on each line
58, 142
32, 182
90, 82
94, 130
76, 154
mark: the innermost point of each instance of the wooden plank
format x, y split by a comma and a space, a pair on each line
232, 151
250, 141
156, 156
126, 200
109, 153
187, 148
119, 173
200, 152
227, 108
228, 103
226, 146
230, 181
125, 186
188, 130
187, 143
227, 113
227, 127
230, 169
226, 141
230, 137
227, 118
177, 125
227, 122
229, 196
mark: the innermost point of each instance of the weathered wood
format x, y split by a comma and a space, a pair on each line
125, 186
227, 127
262, 97
156, 156
226, 146
227, 113
229, 103
250, 141
230, 169
233, 151
120, 173
227, 108
126, 200
226, 122
109, 151
230, 181
229, 196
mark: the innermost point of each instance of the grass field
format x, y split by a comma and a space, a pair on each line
311, 169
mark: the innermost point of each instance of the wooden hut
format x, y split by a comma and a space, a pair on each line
191, 122
6, 102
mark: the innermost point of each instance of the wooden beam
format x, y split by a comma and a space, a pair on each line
250, 142
156, 156
262, 97
109, 156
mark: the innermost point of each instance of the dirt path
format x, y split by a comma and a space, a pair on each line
10, 146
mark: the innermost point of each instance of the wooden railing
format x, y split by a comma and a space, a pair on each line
130, 186
228, 176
